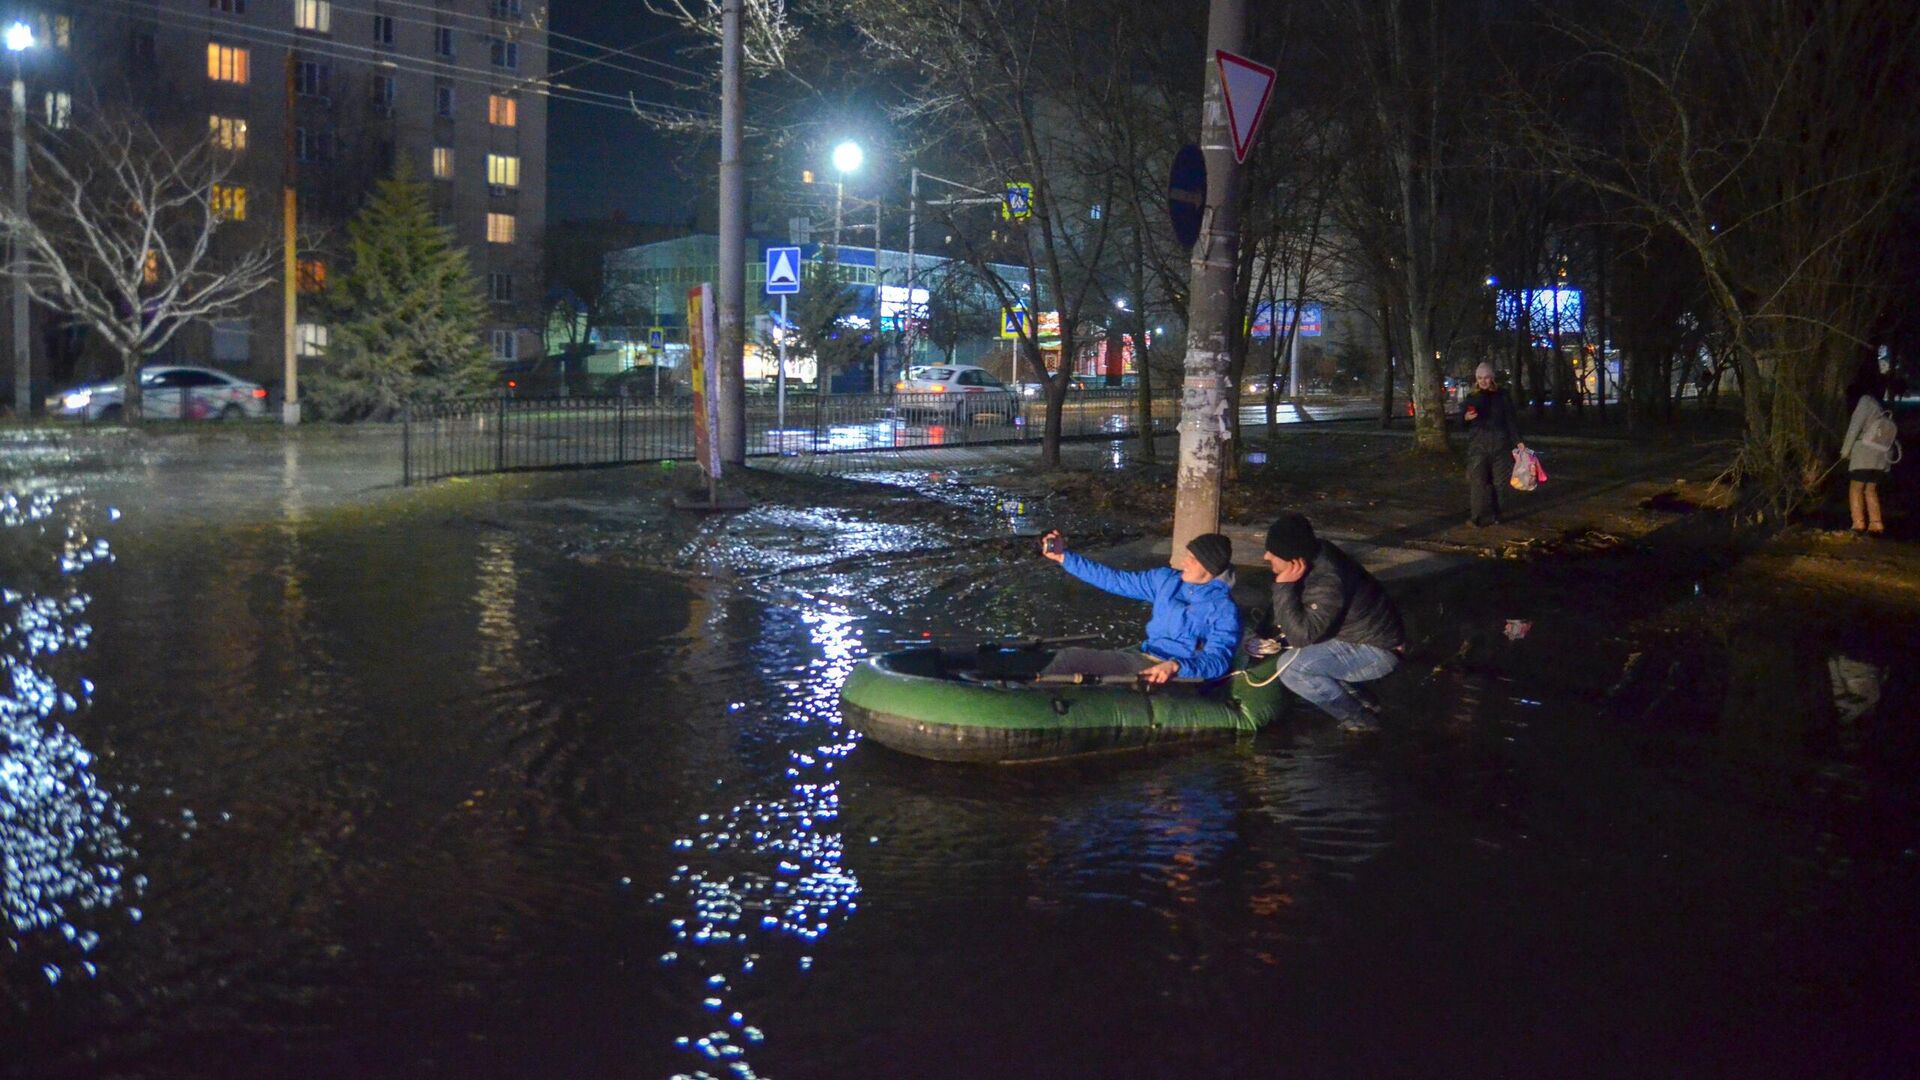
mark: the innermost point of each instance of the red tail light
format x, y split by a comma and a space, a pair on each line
511, 385
259, 391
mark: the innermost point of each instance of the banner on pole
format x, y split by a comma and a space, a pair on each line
701, 337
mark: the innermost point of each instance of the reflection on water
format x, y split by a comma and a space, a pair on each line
1856, 686
62, 839
794, 884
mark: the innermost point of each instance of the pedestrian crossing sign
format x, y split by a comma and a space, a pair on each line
1013, 322
657, 338
1017, 203
783, 271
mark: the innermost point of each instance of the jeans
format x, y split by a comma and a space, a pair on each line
1320, 673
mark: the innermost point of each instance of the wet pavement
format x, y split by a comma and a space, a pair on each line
307, 775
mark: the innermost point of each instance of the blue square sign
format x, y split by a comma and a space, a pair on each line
783, 271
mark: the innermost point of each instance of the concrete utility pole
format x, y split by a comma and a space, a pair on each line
19, 38
1203, 396
733, 244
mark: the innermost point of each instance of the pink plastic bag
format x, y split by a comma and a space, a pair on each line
1527, 471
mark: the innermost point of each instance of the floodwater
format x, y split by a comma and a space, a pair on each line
502, 788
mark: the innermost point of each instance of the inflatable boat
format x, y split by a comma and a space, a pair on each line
989, 704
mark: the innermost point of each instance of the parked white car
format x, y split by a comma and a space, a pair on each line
955, 393
167, 392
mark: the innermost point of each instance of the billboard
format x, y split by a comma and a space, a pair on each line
1270, 319
1549, 311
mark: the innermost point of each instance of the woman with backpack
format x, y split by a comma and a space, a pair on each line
1870, 448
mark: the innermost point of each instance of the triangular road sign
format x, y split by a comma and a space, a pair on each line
783, 270
1246, 86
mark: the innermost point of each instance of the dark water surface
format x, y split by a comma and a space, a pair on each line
501, 793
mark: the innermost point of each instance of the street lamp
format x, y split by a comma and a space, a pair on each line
19, 38
846, 158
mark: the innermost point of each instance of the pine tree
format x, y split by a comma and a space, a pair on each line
406, 312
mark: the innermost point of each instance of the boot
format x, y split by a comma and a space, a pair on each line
1856, 502
1873, 509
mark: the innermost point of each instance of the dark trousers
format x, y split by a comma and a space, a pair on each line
1488, 470
1105, 662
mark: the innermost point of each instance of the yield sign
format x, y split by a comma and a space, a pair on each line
783, 270
1246, 86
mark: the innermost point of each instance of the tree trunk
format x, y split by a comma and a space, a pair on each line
1386, 374
1142, 355
131, 406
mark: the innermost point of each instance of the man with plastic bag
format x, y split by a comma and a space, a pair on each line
1337, 625
1491, 440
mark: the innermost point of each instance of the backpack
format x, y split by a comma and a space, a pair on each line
1882, 434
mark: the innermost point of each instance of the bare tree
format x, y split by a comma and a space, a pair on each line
127, 233
1772, 140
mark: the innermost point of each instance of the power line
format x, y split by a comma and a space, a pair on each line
325, 46
550, 33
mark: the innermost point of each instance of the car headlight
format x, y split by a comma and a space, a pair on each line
79, 399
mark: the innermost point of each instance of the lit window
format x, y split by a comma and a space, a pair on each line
443, 163
499, 228
503, 170
314, 15
505, 344
503, 111
229, 202
383, 30
310, 339
503, 53
226, 63
311, 275
63, 31
443, 100
229, 132
443, 41
500, 288
59, 109
150, 270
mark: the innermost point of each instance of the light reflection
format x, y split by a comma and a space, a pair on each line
796, 886
62, 851
496, 594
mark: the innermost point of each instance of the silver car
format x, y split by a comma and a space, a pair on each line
167, 392
955, 393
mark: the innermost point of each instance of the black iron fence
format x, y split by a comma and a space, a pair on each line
507, 434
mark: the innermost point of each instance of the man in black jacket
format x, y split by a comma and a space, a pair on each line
1491, 439
1339, 625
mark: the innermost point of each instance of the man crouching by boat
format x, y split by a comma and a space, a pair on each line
1193, 630
1340, 626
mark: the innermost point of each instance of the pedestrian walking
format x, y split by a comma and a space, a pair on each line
1870, 448
1491, 440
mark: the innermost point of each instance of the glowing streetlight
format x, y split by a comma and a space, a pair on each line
19, 37
847, 157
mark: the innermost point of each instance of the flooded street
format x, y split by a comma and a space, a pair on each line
505, 779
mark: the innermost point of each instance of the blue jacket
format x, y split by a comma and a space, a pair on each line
1198, 625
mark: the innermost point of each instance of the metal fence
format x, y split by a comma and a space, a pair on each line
508, 434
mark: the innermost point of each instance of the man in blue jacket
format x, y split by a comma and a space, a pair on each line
1194, 628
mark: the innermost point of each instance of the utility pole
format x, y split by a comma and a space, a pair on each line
22, 354
290, 267
913, 235
1203, 396
879, 332
733, 243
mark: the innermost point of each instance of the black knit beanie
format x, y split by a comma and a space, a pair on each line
1214, 551
1292, 537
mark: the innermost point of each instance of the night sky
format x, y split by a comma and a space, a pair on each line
602, 162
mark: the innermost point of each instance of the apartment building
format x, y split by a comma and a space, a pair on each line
332, 94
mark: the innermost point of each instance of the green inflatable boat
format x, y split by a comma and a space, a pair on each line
988, 704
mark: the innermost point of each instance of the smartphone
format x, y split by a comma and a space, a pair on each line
1055, 545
